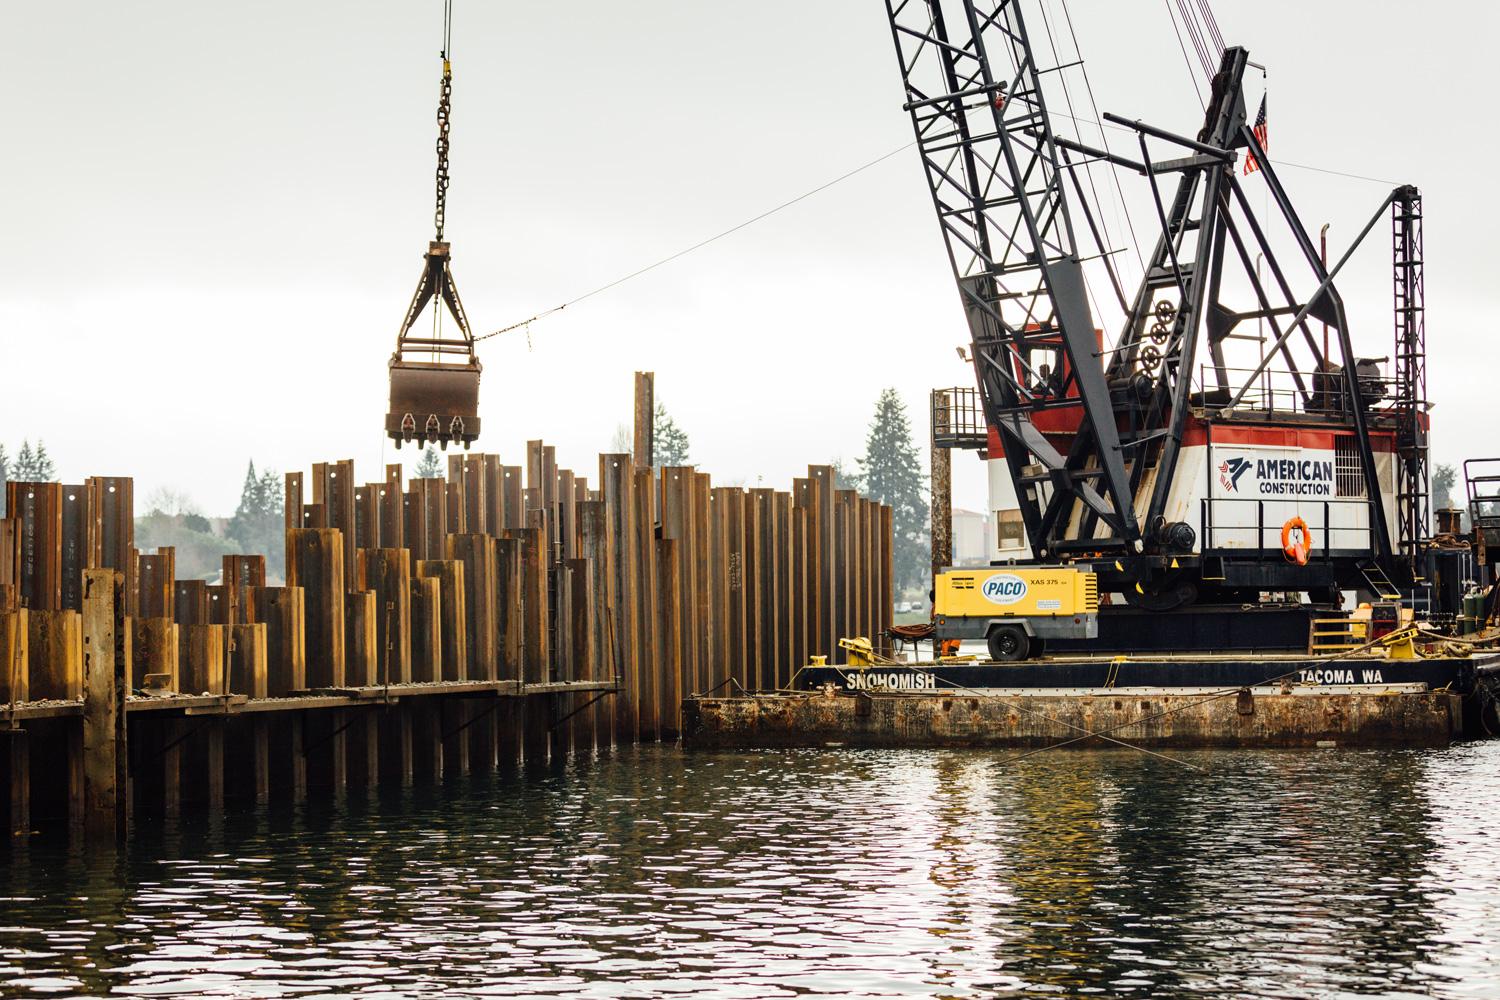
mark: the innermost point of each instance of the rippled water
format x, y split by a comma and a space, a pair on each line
653, 872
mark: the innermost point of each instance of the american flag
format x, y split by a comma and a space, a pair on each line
1260, 136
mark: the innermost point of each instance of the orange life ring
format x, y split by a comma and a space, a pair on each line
1296, 549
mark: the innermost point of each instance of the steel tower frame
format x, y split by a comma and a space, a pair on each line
996, 172
1413, 486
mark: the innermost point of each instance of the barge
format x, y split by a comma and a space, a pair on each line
1232, 700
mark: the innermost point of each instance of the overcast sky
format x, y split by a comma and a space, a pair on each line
213, 217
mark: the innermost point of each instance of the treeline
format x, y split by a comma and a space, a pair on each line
202, 542
30, 465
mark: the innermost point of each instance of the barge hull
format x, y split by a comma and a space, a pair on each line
1154, 717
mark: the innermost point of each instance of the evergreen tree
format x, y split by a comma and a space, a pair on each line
25, 460
257, 525
272, 496
669, 442
844, 478
33, 466
4, 477
892, 475
43, 470
430, 467
1443, 479
249, 496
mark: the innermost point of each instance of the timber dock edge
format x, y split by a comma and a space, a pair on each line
1368, 716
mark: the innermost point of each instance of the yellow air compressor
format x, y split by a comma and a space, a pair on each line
1015, 609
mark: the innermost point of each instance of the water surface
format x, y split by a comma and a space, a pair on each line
844, 873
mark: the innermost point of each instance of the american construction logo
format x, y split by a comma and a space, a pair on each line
1278, 477
1230, 471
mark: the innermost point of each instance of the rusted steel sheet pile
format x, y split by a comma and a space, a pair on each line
592, 609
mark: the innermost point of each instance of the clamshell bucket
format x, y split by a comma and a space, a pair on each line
435, 379
433, 403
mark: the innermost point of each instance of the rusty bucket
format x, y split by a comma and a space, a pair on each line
433, 402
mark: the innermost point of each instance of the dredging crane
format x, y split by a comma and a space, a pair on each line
1179, 478
435, 375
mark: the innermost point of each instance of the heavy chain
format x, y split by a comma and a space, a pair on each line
443, 114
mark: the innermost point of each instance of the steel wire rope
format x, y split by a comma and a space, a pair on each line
1087, 165
1114, 169
1186, 61
1191, 26
1206, 12
701, 243
525, 324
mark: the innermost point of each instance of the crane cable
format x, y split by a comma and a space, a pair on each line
444, 113
700, 244
525, 324
1188, 62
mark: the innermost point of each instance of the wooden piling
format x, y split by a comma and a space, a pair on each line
104, 687
942, 504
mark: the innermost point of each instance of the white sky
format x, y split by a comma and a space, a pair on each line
213, 217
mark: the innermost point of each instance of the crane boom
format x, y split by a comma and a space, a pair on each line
1092, 437
974, 93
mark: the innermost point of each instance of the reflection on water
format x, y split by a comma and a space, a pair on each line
843, 873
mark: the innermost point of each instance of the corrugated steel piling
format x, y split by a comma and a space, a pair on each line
505, 613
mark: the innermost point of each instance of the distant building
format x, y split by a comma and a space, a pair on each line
973, 544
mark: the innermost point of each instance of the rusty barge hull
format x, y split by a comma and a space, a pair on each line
1353, 715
